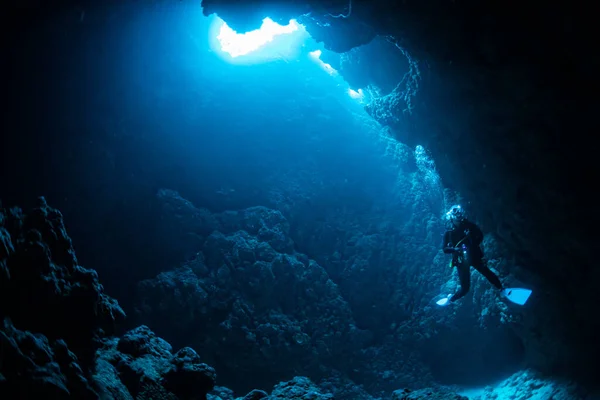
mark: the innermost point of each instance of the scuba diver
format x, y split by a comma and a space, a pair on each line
463, 241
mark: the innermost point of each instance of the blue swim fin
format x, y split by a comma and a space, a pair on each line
444, 301
517, 295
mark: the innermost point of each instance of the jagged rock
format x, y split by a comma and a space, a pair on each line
343, 388
136, 373
530, 385
299, 388
235, 264
141, 365
188, 377
266, 307
267, 225
44, 289
142, 341
221, 393
34, 367
43, 292
426, 394
185, 226
255, 395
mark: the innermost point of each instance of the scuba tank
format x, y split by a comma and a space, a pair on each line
463, 255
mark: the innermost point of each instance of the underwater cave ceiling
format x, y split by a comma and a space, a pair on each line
495, 94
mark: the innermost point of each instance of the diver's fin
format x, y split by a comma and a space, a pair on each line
444, 301
517, 295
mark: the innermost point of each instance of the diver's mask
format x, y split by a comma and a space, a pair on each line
455, 215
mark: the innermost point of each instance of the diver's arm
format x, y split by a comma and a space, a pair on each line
446, 244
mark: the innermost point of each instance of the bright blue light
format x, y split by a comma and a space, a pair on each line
270, 42
238, 45
356, 94
316, 55
273, 42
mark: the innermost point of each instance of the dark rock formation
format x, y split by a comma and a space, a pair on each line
426, 394
42, 352
497, 94
253, 303
256, 395
367, 314
298, 388
34, 367
141, 365
56, 337
44, 290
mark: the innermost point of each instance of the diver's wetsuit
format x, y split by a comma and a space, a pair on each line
470, 235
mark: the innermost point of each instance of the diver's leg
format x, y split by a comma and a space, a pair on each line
464, 277
481, 266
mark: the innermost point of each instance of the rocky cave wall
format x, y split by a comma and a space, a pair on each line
59, 332
498, 93
360, 311
43, 290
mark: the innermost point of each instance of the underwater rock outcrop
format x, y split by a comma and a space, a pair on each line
60, 331
141, 365
368, 303
298, 388
528, 384
58, 326
306, 323
248, 302
43, 288
57, 336
426, 394
53, 310
33, 366
60, 337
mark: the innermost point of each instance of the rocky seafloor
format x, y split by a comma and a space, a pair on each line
62, 336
